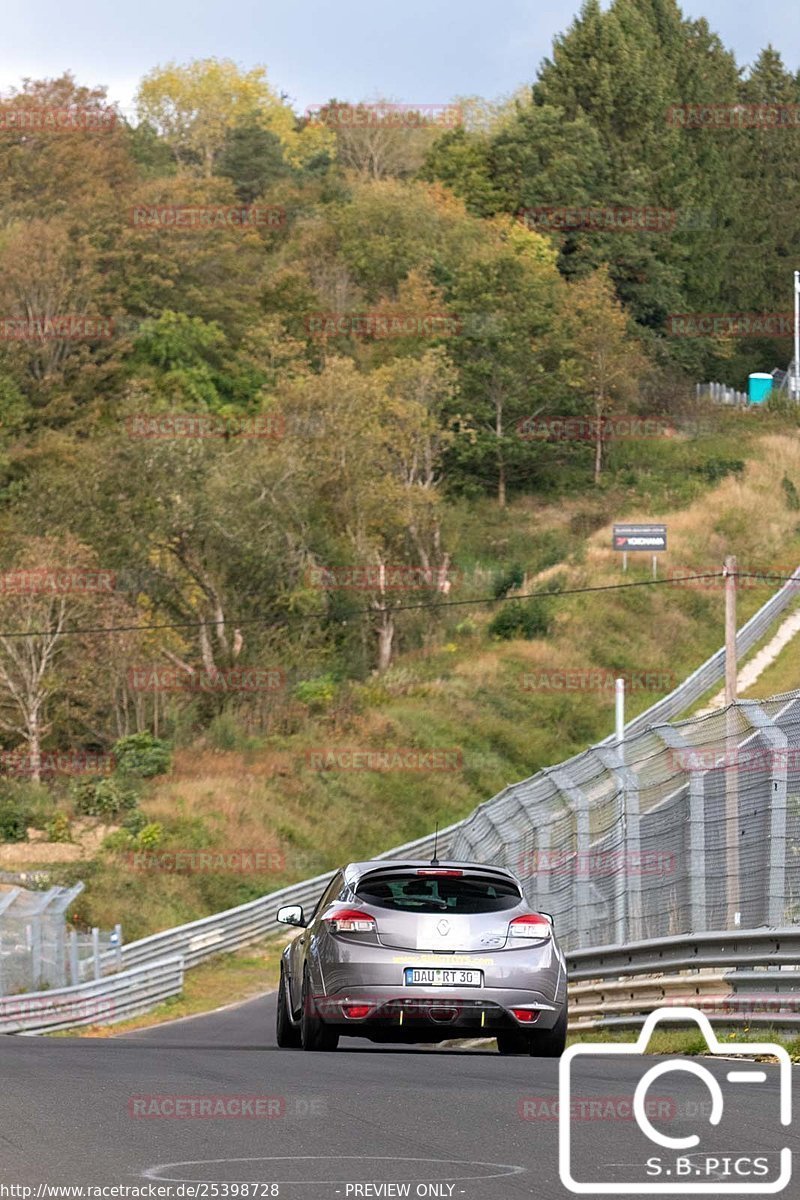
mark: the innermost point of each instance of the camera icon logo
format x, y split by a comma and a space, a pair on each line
683, 1169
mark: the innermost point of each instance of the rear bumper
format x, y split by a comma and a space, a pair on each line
475, 1010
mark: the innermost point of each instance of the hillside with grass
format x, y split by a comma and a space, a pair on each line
474, 686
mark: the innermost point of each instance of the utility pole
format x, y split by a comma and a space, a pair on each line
730, 760
730, 628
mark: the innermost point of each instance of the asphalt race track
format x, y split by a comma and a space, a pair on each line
362, 1121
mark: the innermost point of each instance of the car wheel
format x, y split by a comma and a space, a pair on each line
314, 1033
550, 1043
512, 1042
287, 1035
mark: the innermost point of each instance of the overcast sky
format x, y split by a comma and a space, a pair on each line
415, 51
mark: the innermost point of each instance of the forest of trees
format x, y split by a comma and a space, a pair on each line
367, 339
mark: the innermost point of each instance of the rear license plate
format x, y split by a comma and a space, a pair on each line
443, 977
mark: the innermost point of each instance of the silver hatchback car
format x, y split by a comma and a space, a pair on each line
420, 952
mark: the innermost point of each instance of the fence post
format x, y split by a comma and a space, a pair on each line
779, 743
696, 828
96, 951
543, 844
74, 962
629, 915
579, 802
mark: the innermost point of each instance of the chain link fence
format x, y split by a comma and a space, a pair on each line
681, 828
39, 952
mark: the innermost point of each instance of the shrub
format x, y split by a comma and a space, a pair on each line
512, 577
143, 755
467, 627
318, 693
14, 814
58, 830
717, 468
790, 493
119, 840
521, 619
134, 822
105, 797
224, 732
151, 836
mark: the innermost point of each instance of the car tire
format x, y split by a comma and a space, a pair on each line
314, 1033
550, 1043
512, 1042
287, 1034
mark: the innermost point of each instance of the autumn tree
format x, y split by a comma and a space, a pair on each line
606, 362
194, 108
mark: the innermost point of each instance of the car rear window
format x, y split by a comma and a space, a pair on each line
418, 893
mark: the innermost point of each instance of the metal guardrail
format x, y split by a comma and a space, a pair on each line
104, 1001
617, 986
227, 931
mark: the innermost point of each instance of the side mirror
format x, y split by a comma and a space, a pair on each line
292, 914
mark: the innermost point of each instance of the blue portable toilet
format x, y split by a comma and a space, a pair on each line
759, 386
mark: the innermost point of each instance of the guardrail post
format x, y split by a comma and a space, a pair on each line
96, 951
697, 824
779, 744
544, 836
579, 802
629, 915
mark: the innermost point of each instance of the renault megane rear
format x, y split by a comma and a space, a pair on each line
420, 952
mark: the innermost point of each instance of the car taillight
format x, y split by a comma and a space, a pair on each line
351, 920
356, 1012
526, 1016
532, 925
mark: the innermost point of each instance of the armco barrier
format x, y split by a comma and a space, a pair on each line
617, 986
105, 1001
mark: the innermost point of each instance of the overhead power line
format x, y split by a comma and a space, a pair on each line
322, 614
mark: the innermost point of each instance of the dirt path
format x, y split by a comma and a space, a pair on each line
766, 656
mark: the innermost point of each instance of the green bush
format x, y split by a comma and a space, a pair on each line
151, 836
717, 468
58, 829
790, 492
105, 797
143, 755
318, 693
225, 733
14, 815
513, 577
119, 840
521, 619
134, 822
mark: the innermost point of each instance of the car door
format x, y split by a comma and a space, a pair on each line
298, 951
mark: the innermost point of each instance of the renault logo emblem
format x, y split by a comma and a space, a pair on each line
444, 928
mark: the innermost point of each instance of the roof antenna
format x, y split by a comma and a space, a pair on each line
434, 860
